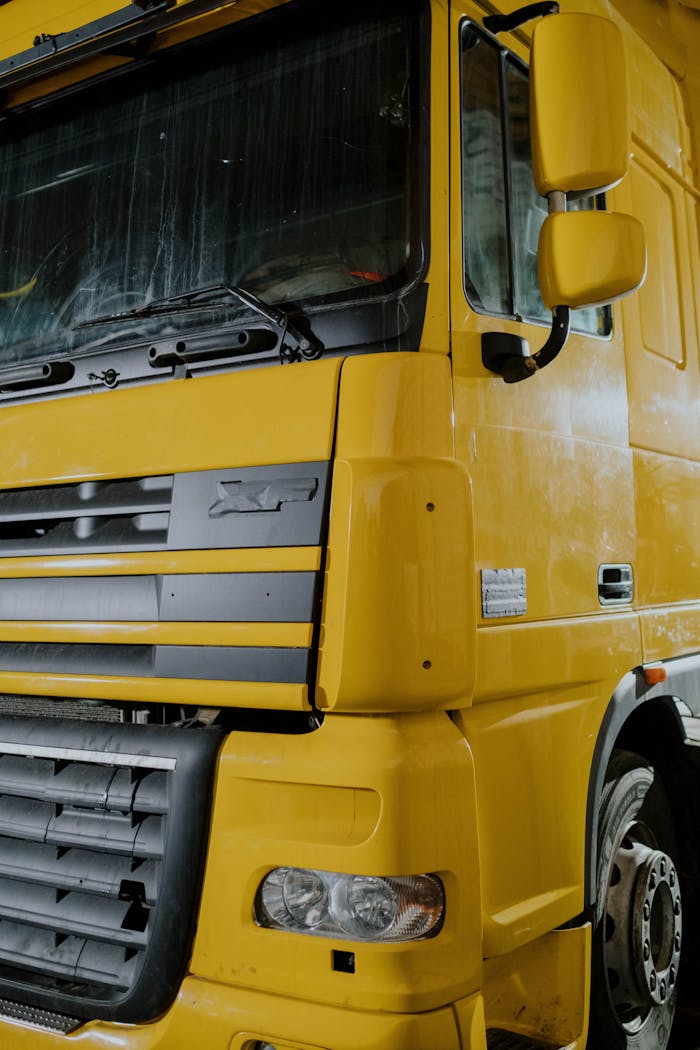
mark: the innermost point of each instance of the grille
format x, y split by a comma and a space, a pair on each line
251, 507
254, 507
93, 867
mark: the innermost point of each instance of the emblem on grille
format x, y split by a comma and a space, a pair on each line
251, 497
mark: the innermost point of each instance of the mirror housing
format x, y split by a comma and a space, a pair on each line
587, 258
578, 104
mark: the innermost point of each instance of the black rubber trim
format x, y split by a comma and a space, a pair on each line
201, 662
266, 597
163, 963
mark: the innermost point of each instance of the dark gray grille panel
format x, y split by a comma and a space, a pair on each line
249, 507
203, 662
92, 868
286, 597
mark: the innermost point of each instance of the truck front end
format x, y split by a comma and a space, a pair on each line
235, 544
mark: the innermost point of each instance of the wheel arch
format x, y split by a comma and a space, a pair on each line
655, 721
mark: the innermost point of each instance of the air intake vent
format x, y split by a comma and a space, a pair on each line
93, 867
128, 514
276, 506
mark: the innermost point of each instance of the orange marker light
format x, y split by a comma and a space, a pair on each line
654, 675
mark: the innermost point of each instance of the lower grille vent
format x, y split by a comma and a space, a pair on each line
93, 868
46, 1020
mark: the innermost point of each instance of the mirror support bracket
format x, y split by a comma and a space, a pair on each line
507, 23
509, 355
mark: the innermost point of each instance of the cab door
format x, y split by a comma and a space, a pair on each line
553, 500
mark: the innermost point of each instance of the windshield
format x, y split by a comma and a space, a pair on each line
280, 157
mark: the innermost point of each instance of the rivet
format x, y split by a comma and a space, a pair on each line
430, 506
427, 664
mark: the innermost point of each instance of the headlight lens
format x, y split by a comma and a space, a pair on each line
351, 907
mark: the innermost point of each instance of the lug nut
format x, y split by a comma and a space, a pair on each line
647, 911
677, 942
677, 906
662, 866
647, 951
652, 880
672, 976
652, 980
672, 877
662, 991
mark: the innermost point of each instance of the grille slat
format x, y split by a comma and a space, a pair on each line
82, 784
111, 832
87, 499
73, 914
92, 868
74, 958
75, 869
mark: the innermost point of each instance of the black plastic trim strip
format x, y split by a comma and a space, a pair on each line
112, 34
200, 662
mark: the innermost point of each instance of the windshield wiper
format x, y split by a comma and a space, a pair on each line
294, 345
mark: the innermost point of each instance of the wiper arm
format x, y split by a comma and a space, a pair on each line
294, 345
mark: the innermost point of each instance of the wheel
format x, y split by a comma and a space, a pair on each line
637, 932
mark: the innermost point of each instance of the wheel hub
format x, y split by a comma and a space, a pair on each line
643, 929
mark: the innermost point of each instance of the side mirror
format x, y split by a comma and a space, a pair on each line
580, 146
586, 258
578, 105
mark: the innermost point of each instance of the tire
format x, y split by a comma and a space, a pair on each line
637, 931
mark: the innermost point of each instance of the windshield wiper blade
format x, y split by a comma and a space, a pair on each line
294, 345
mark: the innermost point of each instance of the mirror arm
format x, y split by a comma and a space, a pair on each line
506, 23
509, 355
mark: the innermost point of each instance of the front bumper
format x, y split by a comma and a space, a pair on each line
210, 1016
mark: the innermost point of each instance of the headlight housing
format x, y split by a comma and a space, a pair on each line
351, 907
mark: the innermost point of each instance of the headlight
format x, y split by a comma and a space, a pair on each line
351, 907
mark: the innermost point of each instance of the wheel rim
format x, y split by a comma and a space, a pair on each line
643, 927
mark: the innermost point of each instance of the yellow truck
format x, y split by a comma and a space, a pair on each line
349, 518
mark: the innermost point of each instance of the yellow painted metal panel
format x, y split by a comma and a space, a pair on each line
546, 688
435, 334
542, 989
668, 523
203, 693
412, 763
215, 1017
670, 631
659, 299
181, 633
262, 416
397, 625
555, 506
251, 559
